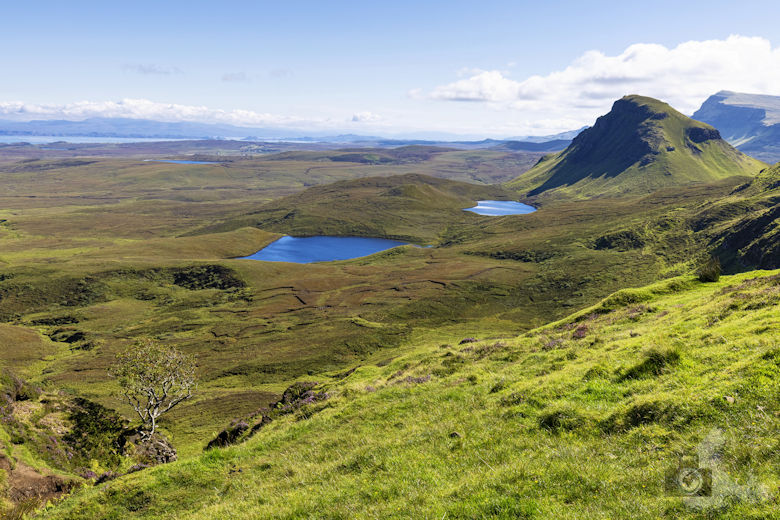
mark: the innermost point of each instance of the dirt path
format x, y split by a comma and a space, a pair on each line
26, 483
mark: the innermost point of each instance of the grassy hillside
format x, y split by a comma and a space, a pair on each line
640, 146
743, 226
587, 417
256, 327
57, 203
99, 254
406, 207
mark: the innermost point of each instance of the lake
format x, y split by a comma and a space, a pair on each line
174, 161
305, 250
496, 208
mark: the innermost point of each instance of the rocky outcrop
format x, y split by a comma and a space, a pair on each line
296, 397
153, 451
699, 134
229, 435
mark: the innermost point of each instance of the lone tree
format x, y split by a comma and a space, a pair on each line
154, 378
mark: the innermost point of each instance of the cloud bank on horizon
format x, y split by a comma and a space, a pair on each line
683, 76
562, 100
146, 109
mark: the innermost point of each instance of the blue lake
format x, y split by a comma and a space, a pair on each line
495, 208
305, 250
173, 161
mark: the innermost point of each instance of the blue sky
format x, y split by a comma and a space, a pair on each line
371, 67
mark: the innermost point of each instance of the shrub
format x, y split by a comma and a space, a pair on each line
656, 362
621, 240
17, 389
580, 332
95, 433
709, 271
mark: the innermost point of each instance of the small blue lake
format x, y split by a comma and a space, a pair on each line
173, 161
496, 208
305, 250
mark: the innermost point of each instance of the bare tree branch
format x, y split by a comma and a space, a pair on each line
154, 378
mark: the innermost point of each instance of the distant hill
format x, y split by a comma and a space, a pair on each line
110, 127
640, 146
408, 207
751, 122
128, 127
531, 146
563, 136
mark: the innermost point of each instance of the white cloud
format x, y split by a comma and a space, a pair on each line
488, 85
145, 109
365, 117
415, 93
683, 76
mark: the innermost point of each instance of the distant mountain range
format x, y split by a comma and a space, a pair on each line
751, 122
140, 128
563, 136
640, 146
145, 129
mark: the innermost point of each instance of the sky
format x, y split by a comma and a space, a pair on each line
476, 69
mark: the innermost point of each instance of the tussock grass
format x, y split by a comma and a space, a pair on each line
510, 431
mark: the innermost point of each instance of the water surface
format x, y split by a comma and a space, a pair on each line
495, 208
305, 250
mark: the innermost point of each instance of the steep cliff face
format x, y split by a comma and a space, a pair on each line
753, 240
751, 122
640, 146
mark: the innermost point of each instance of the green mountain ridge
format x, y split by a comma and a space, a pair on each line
640, 146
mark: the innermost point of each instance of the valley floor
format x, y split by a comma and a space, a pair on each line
581, 418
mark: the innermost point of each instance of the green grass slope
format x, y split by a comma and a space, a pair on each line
743, 226
257, 327
406, 207
587, 417
640, 146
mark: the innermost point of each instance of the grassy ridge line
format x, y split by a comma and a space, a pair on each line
410, 207
580, 419
640, 146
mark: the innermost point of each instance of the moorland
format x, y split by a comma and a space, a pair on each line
473, 378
